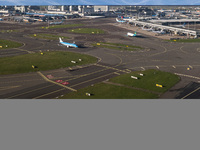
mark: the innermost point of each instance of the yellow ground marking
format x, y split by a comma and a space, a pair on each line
8, 87
48, 94
92, 79
190, 93
29, 91
55, 82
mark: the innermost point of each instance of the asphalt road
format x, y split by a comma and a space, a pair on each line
156, 54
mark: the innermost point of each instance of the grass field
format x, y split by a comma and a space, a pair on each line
107, 91
185, 40
62, 26
9, 44
8, 31
47, 36
149, 80
87, 31
117, 46
47, 61
124, 87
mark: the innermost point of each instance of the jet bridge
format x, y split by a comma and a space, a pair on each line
167, 28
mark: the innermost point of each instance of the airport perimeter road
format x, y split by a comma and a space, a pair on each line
179, 58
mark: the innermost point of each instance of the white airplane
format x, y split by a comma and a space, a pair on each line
131, 34
180, 26
67, 44
147, 29
121, 21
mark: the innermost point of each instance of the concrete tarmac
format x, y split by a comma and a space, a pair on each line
156, 53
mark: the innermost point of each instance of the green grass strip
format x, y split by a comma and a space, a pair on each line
117, 46
47, 61
62, 26
185, 40
87, 31
8, 31
149, 80
47, 36
4, 44
107, 91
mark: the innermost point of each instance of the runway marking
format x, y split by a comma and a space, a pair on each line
55, 82
8, 87
174, 66
15, 76
28, 91
117, 73
117, 57
198, 49
128, 70
143, 68
21, 81
24, 50
111, 68
165, 50
157, 67
191, 67
187, 76
183, 50
92, 79
190, 93
48, 94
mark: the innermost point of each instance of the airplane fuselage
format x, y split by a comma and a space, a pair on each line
68, 44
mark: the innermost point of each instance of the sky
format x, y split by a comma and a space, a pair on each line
99, 2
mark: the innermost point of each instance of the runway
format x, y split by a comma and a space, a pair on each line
155, 54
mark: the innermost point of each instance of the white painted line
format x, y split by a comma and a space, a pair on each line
143, 68
55, 82
187, 76
190, 93
157, 67
174, 66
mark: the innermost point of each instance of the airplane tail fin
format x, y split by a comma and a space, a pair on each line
60, 40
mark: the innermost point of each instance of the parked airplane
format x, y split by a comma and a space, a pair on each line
56, 23
180, 26
131, 34
121, 21
67, 44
